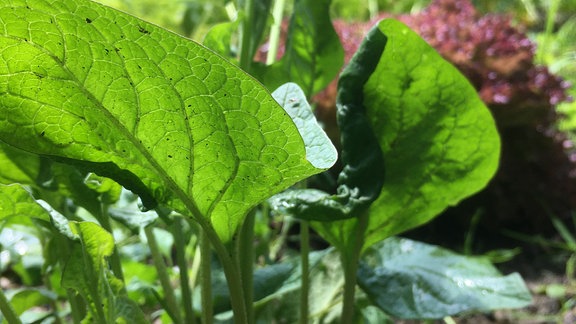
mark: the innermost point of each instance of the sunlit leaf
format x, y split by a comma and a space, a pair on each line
86, 271
84, 84
439, 141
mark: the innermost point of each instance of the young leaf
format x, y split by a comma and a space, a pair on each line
408, 279
86, 271
313, 55
87, 85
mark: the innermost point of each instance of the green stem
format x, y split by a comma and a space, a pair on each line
206, 278
273, 43
7, 309
245, 260
180, 243
350, 260
305, 280
115, 262
233, 277
246, 54
373, 8
229, 266
544, 46
75, 305
171, 304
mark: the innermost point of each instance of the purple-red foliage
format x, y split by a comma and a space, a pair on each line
497, 57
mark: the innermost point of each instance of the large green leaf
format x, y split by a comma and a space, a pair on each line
87, 85
408, 279
439, 141
313, 54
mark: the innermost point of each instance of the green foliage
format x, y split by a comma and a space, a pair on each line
438, 139
440, 143
93, 99
99, 82
361, 179
408, 279
17, 203
313, 54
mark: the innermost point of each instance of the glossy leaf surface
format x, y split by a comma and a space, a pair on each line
409, 279
165, 117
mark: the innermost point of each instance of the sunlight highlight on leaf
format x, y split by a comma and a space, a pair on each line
165, 117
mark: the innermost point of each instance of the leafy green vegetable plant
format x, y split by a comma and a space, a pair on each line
89, 95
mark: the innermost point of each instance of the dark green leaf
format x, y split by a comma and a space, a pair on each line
17, 166
408, 279
360, 181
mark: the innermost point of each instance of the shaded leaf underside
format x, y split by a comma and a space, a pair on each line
164, 116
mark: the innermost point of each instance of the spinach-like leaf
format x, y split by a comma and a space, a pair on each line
87, 85
409, 279
439, 141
